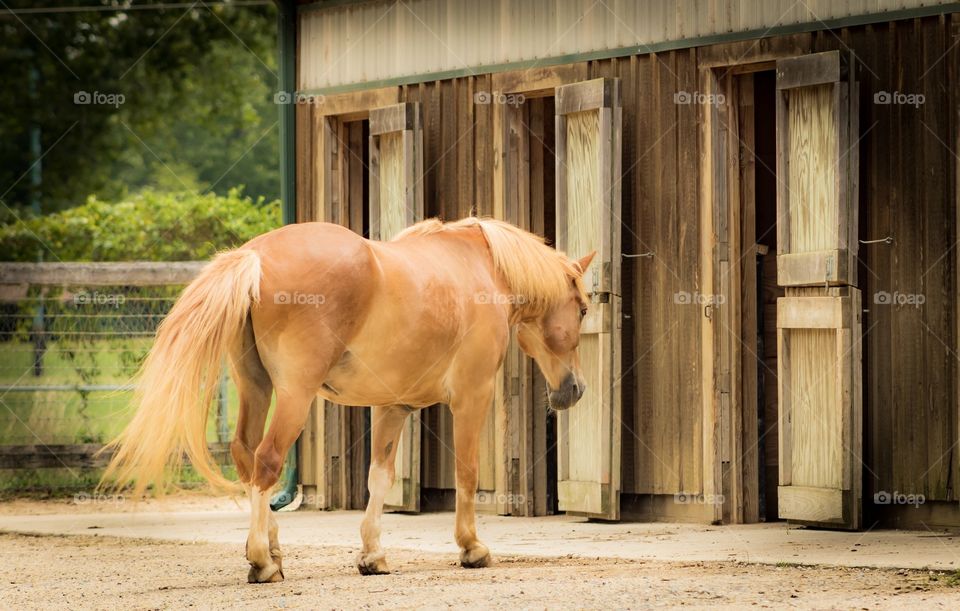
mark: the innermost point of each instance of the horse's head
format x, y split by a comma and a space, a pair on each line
552, 340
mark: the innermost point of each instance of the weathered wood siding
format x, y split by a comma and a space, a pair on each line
662, 410
455, 150
457, 146
908, 189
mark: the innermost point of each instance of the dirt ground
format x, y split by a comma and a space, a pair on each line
109, 573
91, 502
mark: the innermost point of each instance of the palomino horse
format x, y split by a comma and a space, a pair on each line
314, 309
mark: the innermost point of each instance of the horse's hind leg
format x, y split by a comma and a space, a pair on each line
387, 425
263, 546
255, 389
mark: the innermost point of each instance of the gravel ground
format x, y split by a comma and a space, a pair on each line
110, 573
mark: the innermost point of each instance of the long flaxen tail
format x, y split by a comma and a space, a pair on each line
179, 378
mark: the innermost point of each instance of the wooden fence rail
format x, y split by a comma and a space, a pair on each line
16, 278
75, 456
136, 273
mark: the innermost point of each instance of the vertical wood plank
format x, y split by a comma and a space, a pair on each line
748, 305
483, 151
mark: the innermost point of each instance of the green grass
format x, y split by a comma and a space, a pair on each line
789, 565
68, 417
63, 483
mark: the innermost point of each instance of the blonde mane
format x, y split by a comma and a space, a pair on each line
538, 275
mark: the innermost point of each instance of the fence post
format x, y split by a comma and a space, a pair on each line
39, 336
223, 427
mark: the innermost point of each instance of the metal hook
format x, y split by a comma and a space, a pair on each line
886, 240
641, 255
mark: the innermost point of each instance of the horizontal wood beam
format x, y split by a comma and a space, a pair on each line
813, 69
136, 273
810, 504
814, 313
75, 456
816, 268
395, 118
587, 95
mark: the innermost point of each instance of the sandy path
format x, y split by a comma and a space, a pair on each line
108, 572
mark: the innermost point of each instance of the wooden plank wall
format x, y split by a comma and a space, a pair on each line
458, 181
908, 187
662, 414
662, 436
458, 153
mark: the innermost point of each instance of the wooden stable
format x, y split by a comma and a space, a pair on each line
768, 205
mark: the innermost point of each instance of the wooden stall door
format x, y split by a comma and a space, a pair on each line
818, 320
396, 202
588, 119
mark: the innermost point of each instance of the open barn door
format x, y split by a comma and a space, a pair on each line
396, 202
818, 320
588, 117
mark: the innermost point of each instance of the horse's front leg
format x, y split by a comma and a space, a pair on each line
387, 423
469, 414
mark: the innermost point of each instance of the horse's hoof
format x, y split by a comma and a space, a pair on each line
373, 563
477, 557
272, 573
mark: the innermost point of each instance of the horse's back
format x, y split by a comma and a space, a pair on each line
395, 316
318, 281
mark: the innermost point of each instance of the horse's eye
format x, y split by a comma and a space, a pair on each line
583, 312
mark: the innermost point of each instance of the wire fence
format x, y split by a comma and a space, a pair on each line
68, 358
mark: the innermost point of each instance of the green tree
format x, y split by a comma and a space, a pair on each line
196, 110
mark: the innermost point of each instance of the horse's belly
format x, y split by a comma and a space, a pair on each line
378, 378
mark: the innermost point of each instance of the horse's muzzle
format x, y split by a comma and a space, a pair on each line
570, 391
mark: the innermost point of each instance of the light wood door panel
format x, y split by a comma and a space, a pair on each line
588, 123
396, 202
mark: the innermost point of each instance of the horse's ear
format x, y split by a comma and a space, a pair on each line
584, 263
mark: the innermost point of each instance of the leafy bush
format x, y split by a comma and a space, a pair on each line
149, 226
